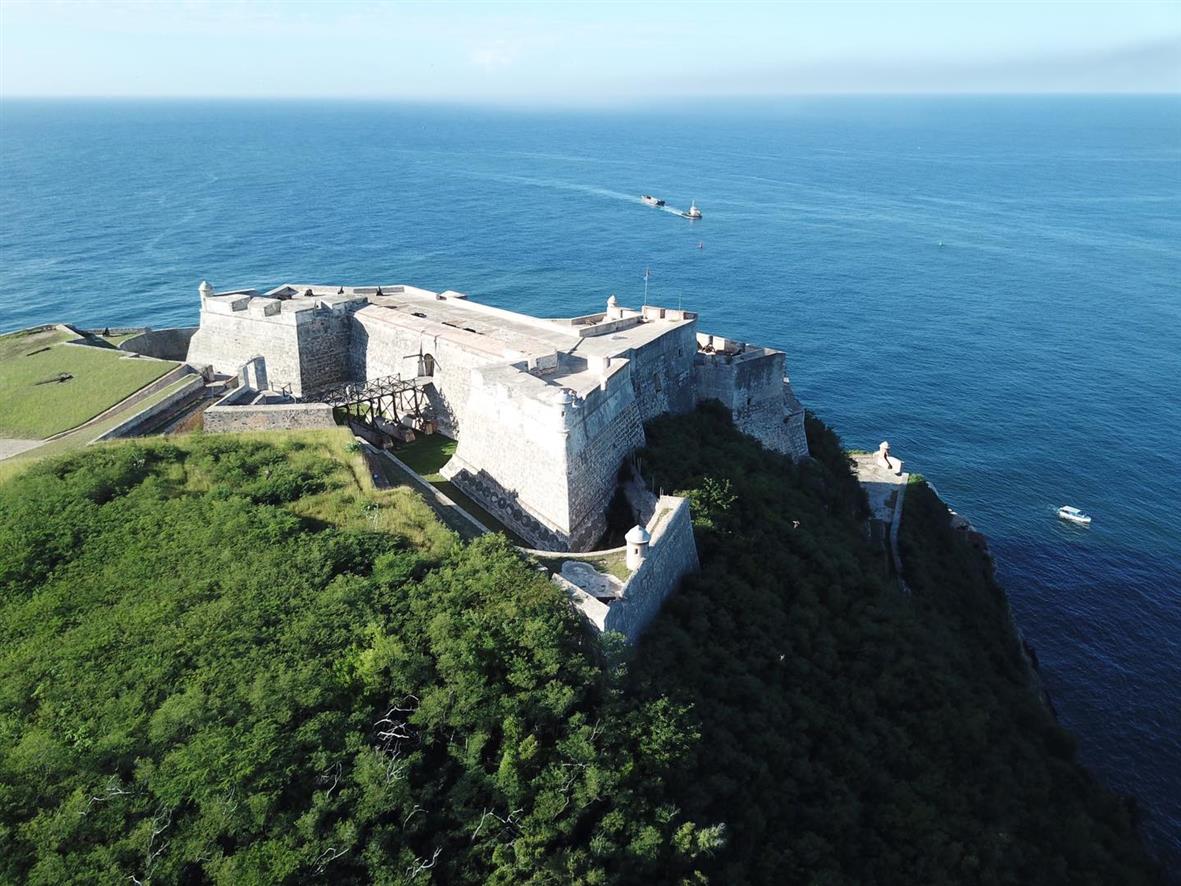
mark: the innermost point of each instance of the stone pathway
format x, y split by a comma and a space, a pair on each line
886, 492
447, 510
11, 447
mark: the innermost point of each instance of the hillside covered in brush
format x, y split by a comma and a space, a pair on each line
232, 660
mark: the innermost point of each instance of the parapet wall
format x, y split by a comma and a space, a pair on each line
223, 419
752, 385
672, 554
603, 432
662, 373
163, 344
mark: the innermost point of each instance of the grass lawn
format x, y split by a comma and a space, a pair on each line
69, 442
427, 455
610, 564
100, 378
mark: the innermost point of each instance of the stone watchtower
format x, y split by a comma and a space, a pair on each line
637, 539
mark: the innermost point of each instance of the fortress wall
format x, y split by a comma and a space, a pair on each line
511, 458
163, 344
672, 554
382, 349
223, 418
662, 372
227, 340
760, 413
322, 339
753, 388
603, 432
797, 437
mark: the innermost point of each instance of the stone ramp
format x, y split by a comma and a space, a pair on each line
886, 491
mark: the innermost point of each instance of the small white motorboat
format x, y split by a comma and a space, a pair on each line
649, 200
1073, 515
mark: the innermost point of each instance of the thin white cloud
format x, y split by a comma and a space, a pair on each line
496, 55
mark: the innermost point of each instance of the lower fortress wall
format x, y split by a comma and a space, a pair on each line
275, 417
604, 432
672, 554
662, 373
163, 344
753, 387
229, 341
511, 458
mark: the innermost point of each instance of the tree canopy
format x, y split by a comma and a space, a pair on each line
231, 660
850, 733
205, 679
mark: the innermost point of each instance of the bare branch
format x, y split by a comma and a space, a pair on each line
328, 856
420, 865
332, 772
413, 812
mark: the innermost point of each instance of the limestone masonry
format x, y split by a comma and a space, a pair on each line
544, 411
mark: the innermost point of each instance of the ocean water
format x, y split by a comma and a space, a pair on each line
991, 284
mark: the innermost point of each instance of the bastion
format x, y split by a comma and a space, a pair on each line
544, 411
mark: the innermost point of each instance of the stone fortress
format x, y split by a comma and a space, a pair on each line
544, 411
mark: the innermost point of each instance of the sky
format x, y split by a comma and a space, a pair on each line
582, 53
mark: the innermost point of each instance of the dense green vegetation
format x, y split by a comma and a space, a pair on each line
231, 660
850, 734
34, 404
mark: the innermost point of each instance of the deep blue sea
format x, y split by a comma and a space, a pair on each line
991, 284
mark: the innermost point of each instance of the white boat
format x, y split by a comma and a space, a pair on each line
650, 200
1074, 515
693, 212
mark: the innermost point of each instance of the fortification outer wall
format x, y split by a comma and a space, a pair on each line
190, 390
594, 611
322, 342
228, 340
797, 436
603, 432
753, 387
222, 419
511, 457
382, 349
163, 344
662, 372
672, 554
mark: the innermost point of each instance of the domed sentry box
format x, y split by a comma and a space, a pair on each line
637, 539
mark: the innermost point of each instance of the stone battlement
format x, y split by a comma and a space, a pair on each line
545, 411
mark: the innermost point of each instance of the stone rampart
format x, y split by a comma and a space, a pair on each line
662, 373
221, 418
512, 454
163, 344
605, 429
752, 386
227, 341
191, 389
672, 554
305, 346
